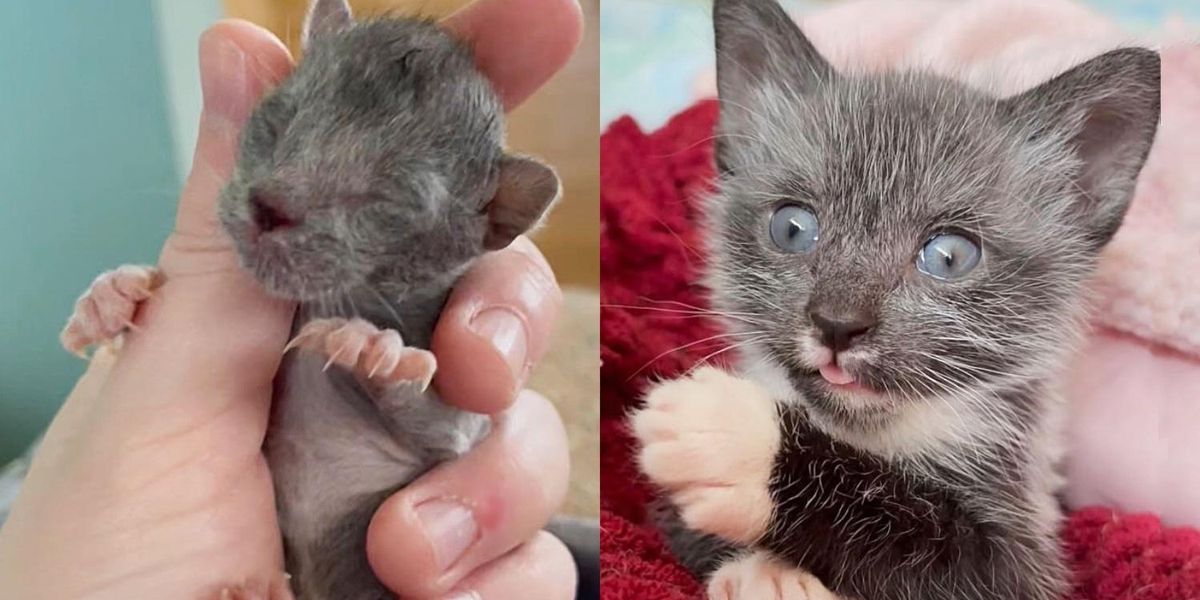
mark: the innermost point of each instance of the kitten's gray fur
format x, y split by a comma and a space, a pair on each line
382, 153
1043, 179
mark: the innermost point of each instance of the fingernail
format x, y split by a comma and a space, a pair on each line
467, 595
450, 527
224, 80
506, 332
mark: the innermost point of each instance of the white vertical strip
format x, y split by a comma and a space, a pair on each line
178, 24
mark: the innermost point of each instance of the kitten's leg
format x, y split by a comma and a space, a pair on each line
710, 440
107, 308
699, 552
758, 576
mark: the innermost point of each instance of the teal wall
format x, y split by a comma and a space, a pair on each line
92, 139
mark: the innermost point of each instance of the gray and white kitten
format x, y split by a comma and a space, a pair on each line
908, 257
367, 183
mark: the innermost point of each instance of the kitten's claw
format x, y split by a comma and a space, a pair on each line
375, 355
758, 576
278, 590
107, 308
313, 330
710, 440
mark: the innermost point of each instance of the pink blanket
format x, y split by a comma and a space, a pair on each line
1133, 433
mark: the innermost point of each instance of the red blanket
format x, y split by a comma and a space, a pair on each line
651, 253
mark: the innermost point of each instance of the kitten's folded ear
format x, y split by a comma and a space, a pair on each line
527, 190
1107, 111
325, 17
758, 46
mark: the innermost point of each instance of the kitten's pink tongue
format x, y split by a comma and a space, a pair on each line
836, 375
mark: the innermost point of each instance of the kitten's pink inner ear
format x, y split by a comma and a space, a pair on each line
1110, 106
325, 17
526, 191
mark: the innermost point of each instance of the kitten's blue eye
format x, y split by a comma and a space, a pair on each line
794, 228
948, 256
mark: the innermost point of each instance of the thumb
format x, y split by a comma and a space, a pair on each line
239, 62
210, 338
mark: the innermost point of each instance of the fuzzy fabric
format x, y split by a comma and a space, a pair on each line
652, 326
1135, 388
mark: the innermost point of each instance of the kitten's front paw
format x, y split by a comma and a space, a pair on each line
106, 309
710, 441
279, 589
758, 576
375, 355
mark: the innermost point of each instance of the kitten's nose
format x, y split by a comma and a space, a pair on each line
269, 214
841, 329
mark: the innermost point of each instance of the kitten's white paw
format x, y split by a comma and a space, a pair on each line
375, 355
758, 576
107, 308
710, 441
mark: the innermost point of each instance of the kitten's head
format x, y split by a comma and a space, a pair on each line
379, 159
902, 239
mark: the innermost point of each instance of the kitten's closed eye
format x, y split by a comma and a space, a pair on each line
794, 228
405, 61
269, 122
948, 256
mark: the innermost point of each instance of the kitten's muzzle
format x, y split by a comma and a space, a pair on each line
841, 329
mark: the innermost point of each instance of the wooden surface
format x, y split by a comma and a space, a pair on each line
560, 124
569, 376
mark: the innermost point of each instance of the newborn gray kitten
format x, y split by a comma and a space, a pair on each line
367, 183
905, 259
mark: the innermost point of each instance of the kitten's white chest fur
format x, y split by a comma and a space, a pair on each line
946, 432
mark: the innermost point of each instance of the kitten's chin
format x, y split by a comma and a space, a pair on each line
846, 401
853, 390
858, 400
275, 271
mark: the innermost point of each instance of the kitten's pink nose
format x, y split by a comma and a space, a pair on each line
841, 329
269, 213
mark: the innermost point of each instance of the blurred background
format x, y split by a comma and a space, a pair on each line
99, 103
653, 51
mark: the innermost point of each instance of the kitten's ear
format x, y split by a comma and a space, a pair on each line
757, 43
1107, 111
325, 17
527, 190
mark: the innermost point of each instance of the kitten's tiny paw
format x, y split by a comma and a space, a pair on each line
710, 440
278, 589
251, 593
373, 354
107, 308
758, 576
241, 593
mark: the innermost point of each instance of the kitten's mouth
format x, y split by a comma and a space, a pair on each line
272, 257
850, 396
836, 375
842, 380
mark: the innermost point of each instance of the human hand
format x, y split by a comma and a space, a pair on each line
151, 482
